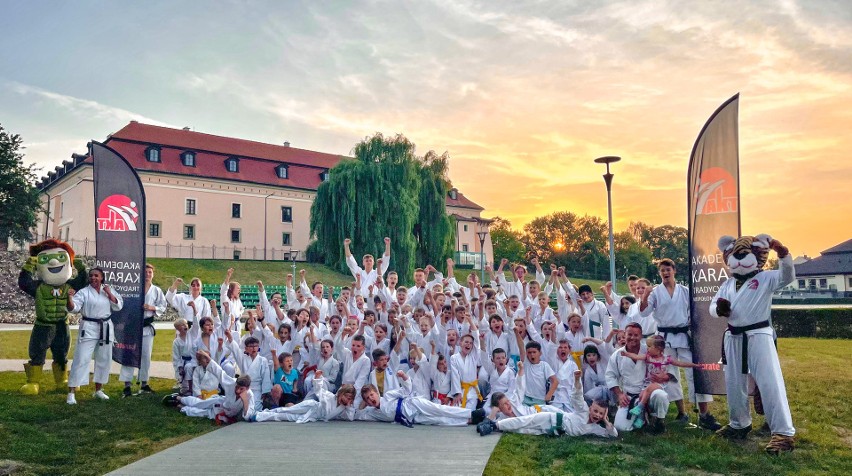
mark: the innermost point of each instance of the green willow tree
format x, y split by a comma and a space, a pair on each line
19, 198
385, 190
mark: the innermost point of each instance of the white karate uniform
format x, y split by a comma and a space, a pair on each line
180, 302
594, 382
94, 337
367, 279
417, 410
182, 354
546, 422
515, 288
751, 305
154, 297
391, 381
536, 377
623, 372
673, 311
204, 381
498, 382
231, 318
322, 406
258, 369
355, 371
565, 374
464, 370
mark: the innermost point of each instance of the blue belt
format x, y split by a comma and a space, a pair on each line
400, 418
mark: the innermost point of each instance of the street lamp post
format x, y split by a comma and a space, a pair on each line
482, 233
293, 255
608, 179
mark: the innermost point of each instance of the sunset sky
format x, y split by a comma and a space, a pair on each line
523, 95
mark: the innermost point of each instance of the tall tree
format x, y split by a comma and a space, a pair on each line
385, 190
631, 256
506, 241
578, 243
667, 241
19, 198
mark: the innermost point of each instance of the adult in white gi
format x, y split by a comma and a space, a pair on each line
96, 303
749, 345
367, 276
669, 303
625, 377
155, 306
191, 307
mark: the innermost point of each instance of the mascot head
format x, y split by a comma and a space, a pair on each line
746, 255
54, 261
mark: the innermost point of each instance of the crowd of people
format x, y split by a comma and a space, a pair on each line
440, 352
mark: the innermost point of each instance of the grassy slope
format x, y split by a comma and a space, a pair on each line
819, 382
245, 272
13, 345
46, 436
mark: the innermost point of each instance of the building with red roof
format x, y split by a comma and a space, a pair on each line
218, 197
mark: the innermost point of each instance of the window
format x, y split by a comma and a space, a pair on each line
465, 228
281, 171
61, 209
235, 235
189, 232
823, 283
464, 248
190, 206
285, 239
154, 229
324, 176
287, 214
236, 254
188, 158
454, 194
802, 283
236, 210
152, 154
232, 164
850, 281
812, 283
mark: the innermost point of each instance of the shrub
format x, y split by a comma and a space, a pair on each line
822, 323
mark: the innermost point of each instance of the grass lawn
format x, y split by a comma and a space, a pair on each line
13, 345
245, 272
819, 382
43, 435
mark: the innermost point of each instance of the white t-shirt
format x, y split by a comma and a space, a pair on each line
535, 377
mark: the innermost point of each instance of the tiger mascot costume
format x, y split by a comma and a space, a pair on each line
745, 300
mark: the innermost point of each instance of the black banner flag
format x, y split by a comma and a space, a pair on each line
713, 187
120, 237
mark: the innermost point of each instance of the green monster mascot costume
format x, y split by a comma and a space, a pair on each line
47, 276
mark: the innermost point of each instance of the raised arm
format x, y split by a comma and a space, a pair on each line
384, 262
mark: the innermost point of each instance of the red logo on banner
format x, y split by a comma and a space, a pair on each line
717, 192
117, 213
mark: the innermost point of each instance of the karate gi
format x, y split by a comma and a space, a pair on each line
464, 381
495, 382
258, 369
96, 335
205, 398
623, 372
562, 398
400, 406
367, 279
154, 297
557, 423
322, 406
752, 348
181, 304
391, 382
671, 312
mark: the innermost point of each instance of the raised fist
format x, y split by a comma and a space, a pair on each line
504, 261
779, 248
387, 240
723, 307
347, 242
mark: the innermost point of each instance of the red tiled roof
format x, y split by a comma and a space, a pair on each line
257, 160
462, 202
200, 141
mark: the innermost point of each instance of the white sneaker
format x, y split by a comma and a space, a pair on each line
100, 395
71, 400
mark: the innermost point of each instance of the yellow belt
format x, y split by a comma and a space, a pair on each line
537, 408
466, 386
205, 394
578, 358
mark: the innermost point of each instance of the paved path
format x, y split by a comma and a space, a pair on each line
325, 448
29, 327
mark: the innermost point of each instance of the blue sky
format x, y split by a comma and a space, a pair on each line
523, 95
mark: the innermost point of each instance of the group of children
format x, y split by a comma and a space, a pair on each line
438, 353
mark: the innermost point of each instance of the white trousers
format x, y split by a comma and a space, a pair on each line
303, 411
658, 405
126, 373
676, 392
196, 407
425, 412
79, 374
535, 424
765, 368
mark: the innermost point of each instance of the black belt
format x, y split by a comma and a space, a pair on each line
675, 330
735, 331
103, 332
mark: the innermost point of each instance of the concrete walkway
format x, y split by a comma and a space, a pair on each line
158, 369
324, 448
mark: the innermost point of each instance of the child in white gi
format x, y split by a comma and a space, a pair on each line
155, 305
321, 406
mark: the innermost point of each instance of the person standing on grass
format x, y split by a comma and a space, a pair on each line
155, 306
96, 302
669, 304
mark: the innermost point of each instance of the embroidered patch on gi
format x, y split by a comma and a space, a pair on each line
753, 284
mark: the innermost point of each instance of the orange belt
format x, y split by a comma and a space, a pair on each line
205, 394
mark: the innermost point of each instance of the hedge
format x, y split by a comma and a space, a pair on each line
822, 323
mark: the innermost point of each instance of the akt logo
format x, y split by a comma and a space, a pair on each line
117, 213
717, 192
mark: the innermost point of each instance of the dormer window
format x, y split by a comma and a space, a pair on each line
188, 159
454, 194
232, 164
324, 176
282, 172
152, 153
